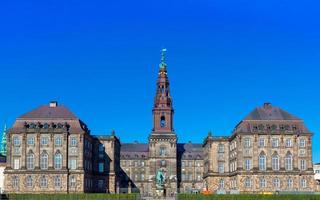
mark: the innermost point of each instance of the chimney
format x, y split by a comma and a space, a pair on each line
267, 105
53, 104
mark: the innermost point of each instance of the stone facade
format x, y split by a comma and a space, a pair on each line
51, 150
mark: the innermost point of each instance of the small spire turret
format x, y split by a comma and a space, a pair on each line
163, 64
3, 149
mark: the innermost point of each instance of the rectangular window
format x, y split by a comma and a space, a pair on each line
16, 163
30, 141
58, 141
288, 143
247, 164
275, 142
247, 142
101, 167
73, 141
44, 141
302, 143
73, 164
302, 165
221, 167
16, 141
262, 142
302, 152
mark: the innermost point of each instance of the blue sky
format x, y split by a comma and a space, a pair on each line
100, 59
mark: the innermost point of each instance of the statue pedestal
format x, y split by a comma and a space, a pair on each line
159, 193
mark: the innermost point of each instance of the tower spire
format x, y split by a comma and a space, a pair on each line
3, 149
162, 109
163, 64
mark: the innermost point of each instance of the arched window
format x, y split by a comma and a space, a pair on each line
288, 162
58, 161
275, 162
44, 160
29, 181
162, 121
43, 182
262, 161
30, 160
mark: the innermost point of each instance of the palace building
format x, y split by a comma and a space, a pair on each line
51, 150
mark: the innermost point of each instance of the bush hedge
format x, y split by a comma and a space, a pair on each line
73, 196
249, 197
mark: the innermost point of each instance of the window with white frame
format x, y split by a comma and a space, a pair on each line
288, 143
247, 142
73, 164
302, 165
16, 141
275, 142
221, 184
247, 164
16, 163
303, 183
29, 181
276, 183
58, 161
30, 160
73, 142
44, 141
275, 162
15, 182
288, 162
262, 142
262, 183
289, 183
30, 140
72, 182
220, 167
262, 162
57, 181
220, 148
248, 183
44, 160
58, 141
43, 182
302, 143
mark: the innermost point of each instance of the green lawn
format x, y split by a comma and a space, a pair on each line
248, 197
73, 196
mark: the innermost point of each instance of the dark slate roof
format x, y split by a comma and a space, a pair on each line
134, 147
47, 112
53, 113
190, 150
268, 112
134, 151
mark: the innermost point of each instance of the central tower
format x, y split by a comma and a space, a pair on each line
163, 140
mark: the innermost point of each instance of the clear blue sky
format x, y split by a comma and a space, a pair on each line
101, 58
